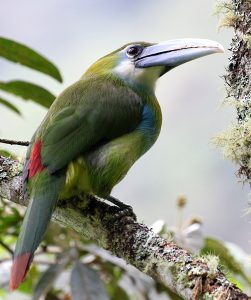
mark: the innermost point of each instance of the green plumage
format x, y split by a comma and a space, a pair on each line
99, 125
94, 132
90, 138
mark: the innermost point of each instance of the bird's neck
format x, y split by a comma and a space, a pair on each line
151, 121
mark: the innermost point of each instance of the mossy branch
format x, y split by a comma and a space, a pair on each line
189, 276
236, 140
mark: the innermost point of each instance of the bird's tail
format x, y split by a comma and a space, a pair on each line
44, 195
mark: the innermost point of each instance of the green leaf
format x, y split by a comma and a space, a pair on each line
46, 280
6, 153
10, 106
216, 247
28, 285
3, 293
28, 91
8, 221
20, 53
50, 275
164, 289
86, 284
116, 292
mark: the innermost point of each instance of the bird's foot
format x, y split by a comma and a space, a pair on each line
125, 210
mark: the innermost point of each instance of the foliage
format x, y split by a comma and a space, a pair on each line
75, 266
216, 253
28, 91
24, 55
10, 106
18, 53
86, 283
227, 260
94, 272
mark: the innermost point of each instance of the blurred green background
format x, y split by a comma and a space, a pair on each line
73, 34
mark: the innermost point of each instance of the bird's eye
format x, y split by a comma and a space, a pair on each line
134, 51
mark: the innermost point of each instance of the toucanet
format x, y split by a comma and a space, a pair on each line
94, 132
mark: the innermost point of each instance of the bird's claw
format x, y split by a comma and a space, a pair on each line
126, 212
124, 209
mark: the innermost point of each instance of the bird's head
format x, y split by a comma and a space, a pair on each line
143, 63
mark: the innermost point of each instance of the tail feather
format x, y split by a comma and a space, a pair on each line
19, 270
44, 196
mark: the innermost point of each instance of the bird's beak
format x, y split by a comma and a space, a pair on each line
173, 53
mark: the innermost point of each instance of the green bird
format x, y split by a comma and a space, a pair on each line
94, 132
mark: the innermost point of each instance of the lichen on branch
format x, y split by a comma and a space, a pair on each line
189, 276
236, 140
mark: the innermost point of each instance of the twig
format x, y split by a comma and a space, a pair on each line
12, 142
137, 244
6, 247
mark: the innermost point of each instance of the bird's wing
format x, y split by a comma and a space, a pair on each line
91, 113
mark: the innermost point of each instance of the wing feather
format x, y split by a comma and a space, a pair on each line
91, 111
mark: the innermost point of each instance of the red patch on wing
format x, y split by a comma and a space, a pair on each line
35, 164
19, 269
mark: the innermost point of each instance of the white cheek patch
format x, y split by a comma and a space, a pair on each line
147, 76
127, 71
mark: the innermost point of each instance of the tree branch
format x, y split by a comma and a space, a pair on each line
189, 276
236, 140
6, 247
12, 142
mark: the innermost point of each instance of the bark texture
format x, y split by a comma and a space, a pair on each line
189, 276
236, 140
